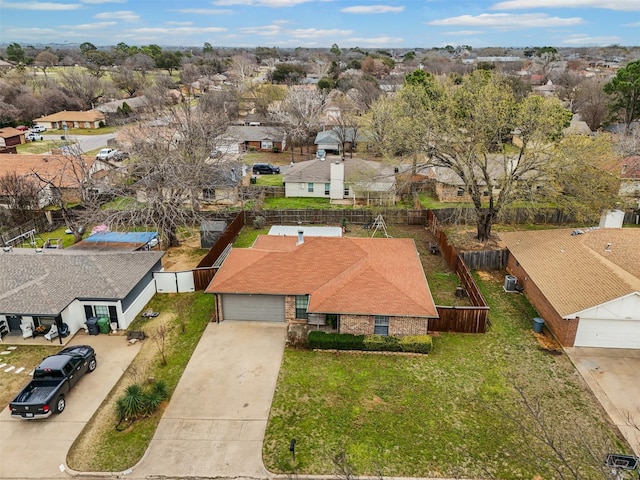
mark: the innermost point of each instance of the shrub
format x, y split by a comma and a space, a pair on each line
138, 402
259, 222
381, 343
416, 344
338, 341
372, 343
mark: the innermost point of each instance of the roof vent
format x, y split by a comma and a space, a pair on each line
300, 237
608, 248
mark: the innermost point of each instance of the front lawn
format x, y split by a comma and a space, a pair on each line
112, 450
269, 180
455, 413
37, 147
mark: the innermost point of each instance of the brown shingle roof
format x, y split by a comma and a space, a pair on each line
52, 167
8, 132
576, 272
73, 116
368, 276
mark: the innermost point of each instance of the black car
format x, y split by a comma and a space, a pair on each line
265, 168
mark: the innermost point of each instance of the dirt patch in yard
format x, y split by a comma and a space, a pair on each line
186, 256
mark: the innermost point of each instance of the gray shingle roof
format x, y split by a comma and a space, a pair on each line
45, 283
355, 170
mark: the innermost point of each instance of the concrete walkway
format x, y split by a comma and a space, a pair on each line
215, 423
613, 375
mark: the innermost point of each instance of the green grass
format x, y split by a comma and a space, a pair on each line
37, 147
83, 131
446, 414
118, 451
248, 235
269, 180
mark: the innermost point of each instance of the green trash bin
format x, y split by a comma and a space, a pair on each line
103, 325
538, 323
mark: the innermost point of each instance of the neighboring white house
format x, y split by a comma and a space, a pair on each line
46, 286
354, 179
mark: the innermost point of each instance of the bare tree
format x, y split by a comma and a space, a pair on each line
88, 89
46, 60
346, 124
21, 196
300, 115
592, 102
160, 337
140, 62
242, 68
127, 79
173, 168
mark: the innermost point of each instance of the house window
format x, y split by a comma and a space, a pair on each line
266, 144
101, 310
302, 302
485, 193
381, 325
310, 187
327, 188
346, 190
460, 191
208, 193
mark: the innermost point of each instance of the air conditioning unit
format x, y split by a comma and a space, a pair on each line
510, 282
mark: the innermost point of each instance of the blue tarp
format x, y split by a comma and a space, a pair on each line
122, 237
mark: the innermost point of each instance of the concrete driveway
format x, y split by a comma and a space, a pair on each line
37, 448
613, 375
215, 423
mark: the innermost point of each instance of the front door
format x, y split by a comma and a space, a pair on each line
14, 322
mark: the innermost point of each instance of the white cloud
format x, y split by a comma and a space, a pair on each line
180, 24
97, 2
176, 31
40, 6
585, 40
372, 9
262, 3
381, 41
205, 11
464, 32
508, 21
264, 31
126, 15
636, 24
317, 33
90, 26
622, 5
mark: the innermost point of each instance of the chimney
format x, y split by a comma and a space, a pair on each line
300, 237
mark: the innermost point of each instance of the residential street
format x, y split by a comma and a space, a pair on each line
87, 142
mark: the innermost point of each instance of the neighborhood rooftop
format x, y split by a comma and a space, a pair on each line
44, 283
576, 272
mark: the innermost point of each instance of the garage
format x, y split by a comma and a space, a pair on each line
257, 308
608, 333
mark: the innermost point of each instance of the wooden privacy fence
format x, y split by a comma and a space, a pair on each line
334, 217
486, 259
227, 237
458, 319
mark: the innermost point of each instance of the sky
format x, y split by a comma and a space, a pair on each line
380, 24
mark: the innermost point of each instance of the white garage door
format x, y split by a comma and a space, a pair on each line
260, 308
608, 333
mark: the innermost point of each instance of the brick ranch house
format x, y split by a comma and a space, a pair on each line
586, 286
72, 119
367, 285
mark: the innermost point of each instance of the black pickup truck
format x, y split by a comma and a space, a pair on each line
52, 380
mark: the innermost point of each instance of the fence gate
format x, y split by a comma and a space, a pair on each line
174, 282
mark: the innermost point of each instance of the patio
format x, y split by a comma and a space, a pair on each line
15, 338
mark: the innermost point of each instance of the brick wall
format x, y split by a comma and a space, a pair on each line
398, 326
563, 330
290, 309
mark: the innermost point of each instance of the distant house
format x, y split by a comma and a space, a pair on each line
362, 181
585, 284
54, 174
239, 138
10, 137
218, 186
347, 280
118, 107
630, 179
72, 119
332, 140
